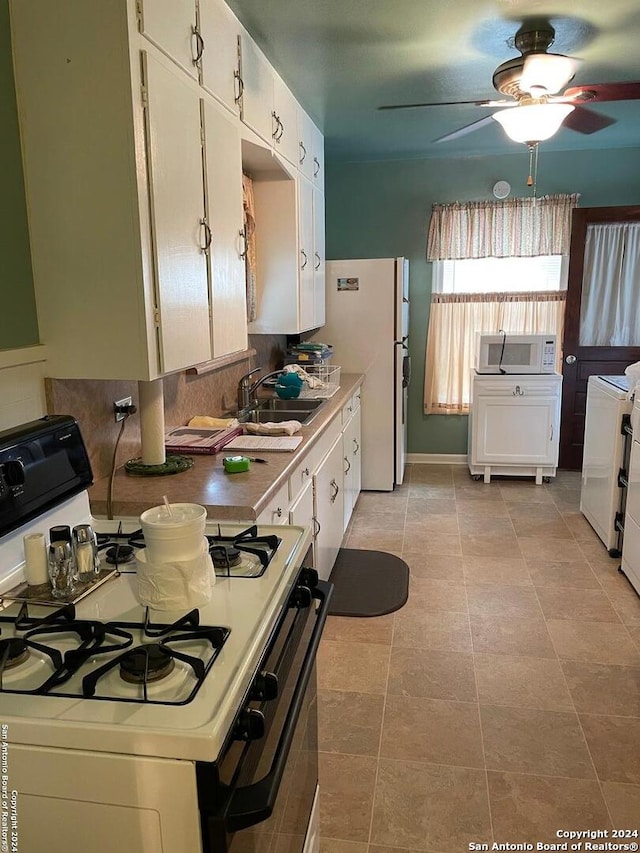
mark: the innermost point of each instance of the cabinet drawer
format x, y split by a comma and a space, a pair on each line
349, 409
277, 510
517, 387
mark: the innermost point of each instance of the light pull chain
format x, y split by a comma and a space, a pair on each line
532, 180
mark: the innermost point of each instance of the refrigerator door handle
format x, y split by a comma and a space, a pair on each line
406, 371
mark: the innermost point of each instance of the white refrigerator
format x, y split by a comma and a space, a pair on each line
367, 323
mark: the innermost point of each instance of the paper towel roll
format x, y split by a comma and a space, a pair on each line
151, 399
36, 569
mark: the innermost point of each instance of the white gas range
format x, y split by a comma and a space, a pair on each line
170, 731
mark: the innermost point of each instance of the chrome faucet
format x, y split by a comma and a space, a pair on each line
246, 390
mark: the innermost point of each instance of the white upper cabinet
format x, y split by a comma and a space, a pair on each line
318, 258
177, 211
220, 62
256, 103
305, 144
285, 139
306, 297
225, 220
171, 26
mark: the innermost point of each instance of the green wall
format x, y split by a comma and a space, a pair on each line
18, 321
382, 209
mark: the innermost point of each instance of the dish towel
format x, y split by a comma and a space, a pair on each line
212, 423
270, 428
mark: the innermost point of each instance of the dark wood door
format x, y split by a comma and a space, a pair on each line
581, 362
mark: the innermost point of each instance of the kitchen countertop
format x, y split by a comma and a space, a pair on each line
226, 497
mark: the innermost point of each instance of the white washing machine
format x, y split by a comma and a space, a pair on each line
604, 441
631, 549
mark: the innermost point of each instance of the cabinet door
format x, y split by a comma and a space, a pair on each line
174, 160
306, 296
356, 456
301, 511
170, 25
318, 157
516, 431
285, 138
306, 130
223, 181
329, 510
220, 65
318, 258
256, 105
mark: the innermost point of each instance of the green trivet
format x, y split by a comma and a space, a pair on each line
172, 465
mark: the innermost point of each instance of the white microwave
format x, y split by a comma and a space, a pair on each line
505, 353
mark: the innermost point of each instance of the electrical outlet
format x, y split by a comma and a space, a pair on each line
118, 405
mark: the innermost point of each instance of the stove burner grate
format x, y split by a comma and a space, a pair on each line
148, 663
225, 556
13, 652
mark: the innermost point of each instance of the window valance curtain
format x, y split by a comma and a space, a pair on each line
518, 227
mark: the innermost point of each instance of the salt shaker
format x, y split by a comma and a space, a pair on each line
85, 549
62, 569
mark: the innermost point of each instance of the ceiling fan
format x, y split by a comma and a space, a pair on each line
534, 109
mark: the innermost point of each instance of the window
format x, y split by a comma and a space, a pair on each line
496, 266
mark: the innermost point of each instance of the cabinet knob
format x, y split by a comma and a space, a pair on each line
207, 235
279, 512
355, 441
305, 471
518, 392
317, 527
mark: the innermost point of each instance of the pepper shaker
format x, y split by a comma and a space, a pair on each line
85, 549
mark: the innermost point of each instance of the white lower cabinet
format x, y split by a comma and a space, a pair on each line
301, 511
514, 425
328, 483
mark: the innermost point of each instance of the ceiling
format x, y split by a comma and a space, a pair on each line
344, 58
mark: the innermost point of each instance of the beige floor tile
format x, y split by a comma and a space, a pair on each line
333, 845
596, 642
576, 575
578, 605
430, 807
417, 528
511, 571
595, 552
501, 600
533, 808
598, 688
546, 743
624, 804
580, 527
472, 508
567, 500
375, 848
389, 503
349, 723
627, 605
478, 491
546, 511
378, 522
522, 682
432, 630
347, 784
418, 508
614, 743
548, 548
424, 491
511, 635
428, 595
374, 629
433, 731
432, 474
375, 540
554, 528
432, 674
634, 631
359, 667
489, 545
431, 542
474, 526
433, 566
517, 491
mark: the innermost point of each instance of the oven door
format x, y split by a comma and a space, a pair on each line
260, 796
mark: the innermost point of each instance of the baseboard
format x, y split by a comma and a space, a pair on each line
437, 458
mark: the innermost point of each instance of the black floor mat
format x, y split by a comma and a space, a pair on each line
368, 583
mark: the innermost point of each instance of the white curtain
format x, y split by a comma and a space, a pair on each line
453, 323
610, 307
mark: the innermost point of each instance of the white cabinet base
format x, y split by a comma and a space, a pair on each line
487, 471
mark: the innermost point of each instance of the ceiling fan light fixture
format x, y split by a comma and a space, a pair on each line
549, 72
533, 122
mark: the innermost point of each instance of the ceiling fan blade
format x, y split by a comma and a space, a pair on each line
468, 128
626, 91
547, 73
444, 104
587, 121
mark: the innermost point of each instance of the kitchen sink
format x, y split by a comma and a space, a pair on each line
276, 411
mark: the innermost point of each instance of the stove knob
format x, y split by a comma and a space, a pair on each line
264, 687
13, 471
301, 597
249, 725
308, 577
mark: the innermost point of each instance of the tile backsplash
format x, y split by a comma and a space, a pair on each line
185, 395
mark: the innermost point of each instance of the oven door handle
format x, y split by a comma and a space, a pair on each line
254, 803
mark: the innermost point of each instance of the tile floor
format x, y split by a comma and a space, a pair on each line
503, 701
